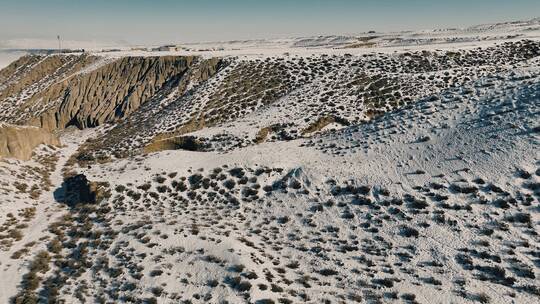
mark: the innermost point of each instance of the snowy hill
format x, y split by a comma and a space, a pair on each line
373, 169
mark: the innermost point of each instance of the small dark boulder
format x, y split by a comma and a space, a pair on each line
78, 189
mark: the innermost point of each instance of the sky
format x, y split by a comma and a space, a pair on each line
137, 22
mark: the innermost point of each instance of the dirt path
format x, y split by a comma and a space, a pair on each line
47, 211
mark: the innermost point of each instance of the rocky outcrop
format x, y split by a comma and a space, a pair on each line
19, 141
54, 92
154, 111
28, 76
106, 94
78, 190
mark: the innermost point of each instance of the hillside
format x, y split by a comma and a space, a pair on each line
317, 170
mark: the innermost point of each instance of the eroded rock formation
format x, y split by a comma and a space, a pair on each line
19, 141
57, 91
89, 98
108, 93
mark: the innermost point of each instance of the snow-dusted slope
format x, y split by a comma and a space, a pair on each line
254, 100
411, 177
437, 202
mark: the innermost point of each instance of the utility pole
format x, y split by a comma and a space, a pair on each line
59, 44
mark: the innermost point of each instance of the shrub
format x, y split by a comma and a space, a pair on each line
408, 232
156, 272
145, 186
327, 272
383, 282
160, 179
229, 184
418, 204
482, 298
162, 189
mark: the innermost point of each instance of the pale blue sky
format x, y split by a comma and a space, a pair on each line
161, 21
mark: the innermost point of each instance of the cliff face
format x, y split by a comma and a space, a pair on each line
19, 141
57, 91
108, 93
85, 99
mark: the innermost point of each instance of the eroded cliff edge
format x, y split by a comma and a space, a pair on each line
86, 91
19, 141
57, 91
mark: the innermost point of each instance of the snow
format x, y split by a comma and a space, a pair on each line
465, 141
449, 39
47, 209
307, 212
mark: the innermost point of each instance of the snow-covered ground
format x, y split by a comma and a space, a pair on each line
309, 198
446, 166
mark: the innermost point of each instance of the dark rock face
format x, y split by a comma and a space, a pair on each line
78, 190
